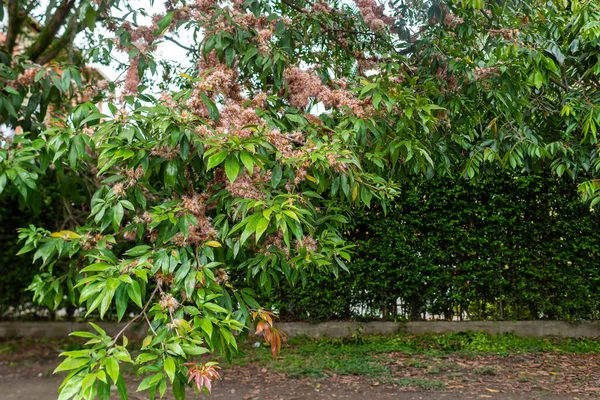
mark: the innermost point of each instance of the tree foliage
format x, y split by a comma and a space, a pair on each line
293, 112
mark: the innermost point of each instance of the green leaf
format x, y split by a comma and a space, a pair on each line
171, 172
135, 293
164, 23
118, 213
213, 111
71, 363
538, 79
215, 307
122, 388
206, 326
366, 196
90, 17
276, 175
216, 159
138, 251
150, 382
248, 161
261, 227
232, 168
170, 368
121, 301
194, 350
3, 181
112, 368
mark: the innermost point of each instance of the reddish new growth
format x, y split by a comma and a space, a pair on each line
374, 15
272, 336
202, 375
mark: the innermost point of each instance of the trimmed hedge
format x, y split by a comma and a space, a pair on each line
47, 211
507, 248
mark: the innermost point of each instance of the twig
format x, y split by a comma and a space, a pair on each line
149, 324
139, 315
170, 39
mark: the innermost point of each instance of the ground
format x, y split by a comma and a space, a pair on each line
331, 371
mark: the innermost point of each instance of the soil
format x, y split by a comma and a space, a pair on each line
27, 375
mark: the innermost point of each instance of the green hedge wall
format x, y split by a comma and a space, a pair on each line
507, 248
46, 210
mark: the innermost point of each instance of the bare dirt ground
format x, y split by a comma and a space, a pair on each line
27, 375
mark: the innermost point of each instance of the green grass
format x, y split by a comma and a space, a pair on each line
368, 355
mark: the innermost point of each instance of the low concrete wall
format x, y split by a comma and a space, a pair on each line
62, 329
520, 328
332, 329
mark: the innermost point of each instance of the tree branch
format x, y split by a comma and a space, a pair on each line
14, 25
72, 29
559, 83
49, 31
170, 39
143, 313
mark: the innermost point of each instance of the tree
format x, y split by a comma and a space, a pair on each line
237, 168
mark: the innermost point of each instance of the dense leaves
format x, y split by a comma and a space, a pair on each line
293, 113
504, 248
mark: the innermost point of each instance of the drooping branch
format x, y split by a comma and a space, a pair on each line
49, 31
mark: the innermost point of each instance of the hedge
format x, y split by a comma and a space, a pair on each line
47, 210
506, 248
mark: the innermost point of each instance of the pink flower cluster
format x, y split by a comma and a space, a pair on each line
234, 119
276, 241
303, 86
246, 187
195, 204
132, 79
221, 80
374, 14
321, 6
28, 76
308, 242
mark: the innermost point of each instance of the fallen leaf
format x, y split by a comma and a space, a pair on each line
375, 384
492, 390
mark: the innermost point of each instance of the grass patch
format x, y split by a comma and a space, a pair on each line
306, 357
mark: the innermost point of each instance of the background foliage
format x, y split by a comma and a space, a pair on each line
512, 247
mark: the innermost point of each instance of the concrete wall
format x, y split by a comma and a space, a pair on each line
62, 329
520, 328
332, 329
